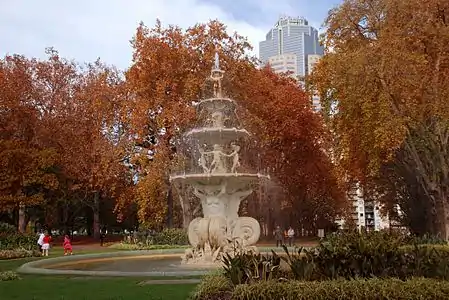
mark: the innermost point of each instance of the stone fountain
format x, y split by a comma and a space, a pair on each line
218, 181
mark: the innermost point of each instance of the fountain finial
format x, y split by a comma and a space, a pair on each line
216, 76
217, 61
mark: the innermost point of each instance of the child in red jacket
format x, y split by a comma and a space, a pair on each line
67, 245
46, 244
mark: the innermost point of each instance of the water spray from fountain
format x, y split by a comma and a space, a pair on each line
218, 181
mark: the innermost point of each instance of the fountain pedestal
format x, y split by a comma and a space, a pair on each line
220, 186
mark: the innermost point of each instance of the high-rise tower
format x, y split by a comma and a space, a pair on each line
291, 45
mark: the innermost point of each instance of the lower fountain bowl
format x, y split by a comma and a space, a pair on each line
152, 263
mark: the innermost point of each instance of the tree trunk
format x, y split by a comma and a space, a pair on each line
443, 220
22, 218
170, 207
187, 218
65, 217
96, 215
187, 214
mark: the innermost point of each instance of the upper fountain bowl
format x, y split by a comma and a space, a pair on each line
214, 104
216, 135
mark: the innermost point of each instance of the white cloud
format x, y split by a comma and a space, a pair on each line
84, 30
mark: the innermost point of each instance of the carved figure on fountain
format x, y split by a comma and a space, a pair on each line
235, 157
220, 161
221, 223
218, 119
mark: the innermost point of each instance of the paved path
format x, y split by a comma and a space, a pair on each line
170, 281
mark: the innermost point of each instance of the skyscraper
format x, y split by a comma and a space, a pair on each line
291, 45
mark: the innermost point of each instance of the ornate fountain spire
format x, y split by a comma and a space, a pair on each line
217, 75
217, 180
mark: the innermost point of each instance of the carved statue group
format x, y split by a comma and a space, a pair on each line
219, 161
221, 228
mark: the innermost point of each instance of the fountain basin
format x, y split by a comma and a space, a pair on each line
149, 263
233, 179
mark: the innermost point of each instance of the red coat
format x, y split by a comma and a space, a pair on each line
67, 244
47, 239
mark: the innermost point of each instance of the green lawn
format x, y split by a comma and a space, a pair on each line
41, 287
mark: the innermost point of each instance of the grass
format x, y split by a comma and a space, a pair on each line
57, 288
41, 287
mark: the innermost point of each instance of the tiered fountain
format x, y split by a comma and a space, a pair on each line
218, 182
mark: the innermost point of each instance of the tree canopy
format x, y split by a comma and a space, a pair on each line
383, 82
82, 137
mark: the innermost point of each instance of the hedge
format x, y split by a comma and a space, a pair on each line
218, 287
168, 236
125, 246
9, 276
213, 287
18, 253
9, 241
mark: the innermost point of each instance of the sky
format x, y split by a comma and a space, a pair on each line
84, 30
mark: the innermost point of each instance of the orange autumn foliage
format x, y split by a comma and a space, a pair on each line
60, 134
383, 82
25, 160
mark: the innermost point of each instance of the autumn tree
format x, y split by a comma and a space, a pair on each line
384, 82
93, 137
169, 69
62, 138
27, 163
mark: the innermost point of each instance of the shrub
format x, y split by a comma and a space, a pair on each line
6, 228
368, 255
125, 246
360, 255
18, 253
171, 236
16, 240
8, 276
426, 239
247, 267
301, 263
431, 261
213, 287
374, 289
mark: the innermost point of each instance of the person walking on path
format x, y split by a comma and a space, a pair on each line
46, 244
103, 233
67, 244
290, 236
278, 236
40, 240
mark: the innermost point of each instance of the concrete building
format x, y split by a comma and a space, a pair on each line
292, 46
312, 59
293, 41
284, 63
366, 214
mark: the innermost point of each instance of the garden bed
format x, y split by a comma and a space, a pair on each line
375, 265
218, 287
